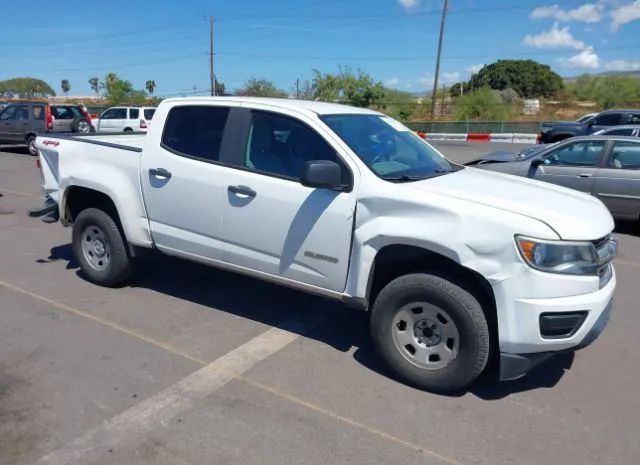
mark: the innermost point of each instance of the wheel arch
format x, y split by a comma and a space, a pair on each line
395, 260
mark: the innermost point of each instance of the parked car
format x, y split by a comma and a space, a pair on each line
125, 119
504, 156
21, 122
632, 130
607, 167
3, 104
585, 118
557, 131
454, 263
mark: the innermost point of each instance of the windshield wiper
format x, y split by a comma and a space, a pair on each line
403, 178
410, 178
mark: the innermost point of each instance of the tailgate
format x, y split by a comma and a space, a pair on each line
49, 165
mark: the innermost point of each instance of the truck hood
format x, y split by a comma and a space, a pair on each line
564, 125
571, 214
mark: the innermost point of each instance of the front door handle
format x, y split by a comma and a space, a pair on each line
160, 173
242, 190
585, 175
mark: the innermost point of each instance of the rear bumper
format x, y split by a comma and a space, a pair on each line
514, 366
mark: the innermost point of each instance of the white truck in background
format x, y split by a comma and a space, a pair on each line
453, 263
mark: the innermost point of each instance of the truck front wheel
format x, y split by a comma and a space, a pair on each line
431, 332
100, 248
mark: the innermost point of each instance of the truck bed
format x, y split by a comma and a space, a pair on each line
107, 163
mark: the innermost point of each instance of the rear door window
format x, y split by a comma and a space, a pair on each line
195, 131
625, 155
620, 132
148, 113
22, 112
134, 113
608, 119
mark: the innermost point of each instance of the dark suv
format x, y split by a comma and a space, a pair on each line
560, 130
21, 122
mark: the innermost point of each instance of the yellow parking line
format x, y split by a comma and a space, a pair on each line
256, 384
22, 194
348, 421
106, 323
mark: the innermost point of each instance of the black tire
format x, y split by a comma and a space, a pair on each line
459, 305
119, 266
31, 145
81, 125
127, 130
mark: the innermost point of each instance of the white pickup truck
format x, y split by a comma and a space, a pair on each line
454, 264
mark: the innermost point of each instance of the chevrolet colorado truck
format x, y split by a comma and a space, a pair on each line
454, 264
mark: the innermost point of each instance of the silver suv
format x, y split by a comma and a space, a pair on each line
21, 122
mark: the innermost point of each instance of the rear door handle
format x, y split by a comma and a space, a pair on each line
242, 190
585, 175
160, 173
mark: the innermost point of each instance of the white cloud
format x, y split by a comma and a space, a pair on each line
625, 14
426, 79
586, 59
473, 69
409, 4
394, 81
555, 37
587, 13
623, 65
450, 78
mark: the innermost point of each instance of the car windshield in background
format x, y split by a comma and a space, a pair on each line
388, 148
148, 114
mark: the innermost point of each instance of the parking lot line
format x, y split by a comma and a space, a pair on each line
21, 194
103, 322
175, 399
160, 408
348, 421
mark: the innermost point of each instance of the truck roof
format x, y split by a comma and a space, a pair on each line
320, 108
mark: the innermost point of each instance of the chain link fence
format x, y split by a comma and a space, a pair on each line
468, 127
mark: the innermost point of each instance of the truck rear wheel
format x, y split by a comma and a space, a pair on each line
431, 332
100, 248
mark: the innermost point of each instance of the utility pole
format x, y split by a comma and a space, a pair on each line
211, 75
445, 7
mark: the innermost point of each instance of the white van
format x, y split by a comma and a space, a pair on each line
125, 119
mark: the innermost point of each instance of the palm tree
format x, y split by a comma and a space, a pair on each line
151, 86
65, 86
94, 82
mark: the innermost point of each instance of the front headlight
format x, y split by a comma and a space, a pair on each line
577, 258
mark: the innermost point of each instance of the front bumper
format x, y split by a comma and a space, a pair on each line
514, 366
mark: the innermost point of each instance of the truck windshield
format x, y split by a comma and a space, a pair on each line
388, 148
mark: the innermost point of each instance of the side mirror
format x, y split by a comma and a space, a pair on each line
323, 174
537, 162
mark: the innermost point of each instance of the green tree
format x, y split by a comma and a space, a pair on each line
115, 89
608, 91
25, 87
260, 88
150, 85
220, 88
357, 89
482, 104
65, 86
528, 78
94, 82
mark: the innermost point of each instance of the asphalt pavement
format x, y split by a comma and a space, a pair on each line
190, 365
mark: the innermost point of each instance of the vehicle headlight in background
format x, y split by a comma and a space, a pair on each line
566, 257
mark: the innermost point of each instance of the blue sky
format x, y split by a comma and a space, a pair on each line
394, 40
